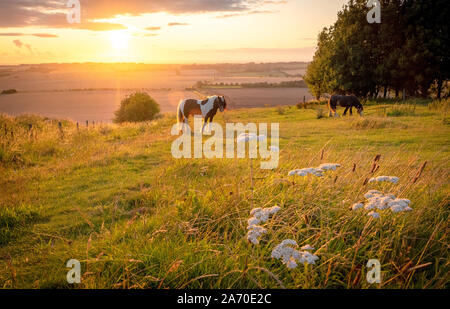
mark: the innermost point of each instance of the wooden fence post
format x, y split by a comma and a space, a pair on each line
61, 132
30, 131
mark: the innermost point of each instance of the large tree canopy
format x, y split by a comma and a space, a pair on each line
408, 50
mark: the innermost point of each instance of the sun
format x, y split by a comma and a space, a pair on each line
118, 39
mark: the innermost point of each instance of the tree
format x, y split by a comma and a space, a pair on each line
137, 107
407, 50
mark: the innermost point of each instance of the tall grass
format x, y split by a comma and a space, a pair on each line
113, 197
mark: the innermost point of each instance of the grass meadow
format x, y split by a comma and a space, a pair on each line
113, 197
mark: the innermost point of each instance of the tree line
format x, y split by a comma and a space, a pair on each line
408, 51
283, 84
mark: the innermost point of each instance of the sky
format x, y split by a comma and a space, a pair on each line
162, 31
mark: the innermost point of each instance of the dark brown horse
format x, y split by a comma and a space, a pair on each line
347, 101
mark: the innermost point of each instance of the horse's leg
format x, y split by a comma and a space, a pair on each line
209, 124
336, 113
205, 122
351, 111
345, 112
186, 125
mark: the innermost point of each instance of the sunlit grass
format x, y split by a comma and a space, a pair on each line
113, 197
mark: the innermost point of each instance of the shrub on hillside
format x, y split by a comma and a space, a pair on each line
137, 107
9, 91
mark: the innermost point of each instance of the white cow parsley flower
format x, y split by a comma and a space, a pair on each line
357, 206
316, 171
307, 247
372, 193
329, 166
246, 137
259, 215
274, 149
374, 214
254, 232
291, 256
392, 179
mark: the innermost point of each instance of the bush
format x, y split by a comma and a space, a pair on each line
137, 107
399, 110
319, 113
281, 110
9, 91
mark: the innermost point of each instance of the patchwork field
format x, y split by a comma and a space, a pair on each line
114, 198
82, 94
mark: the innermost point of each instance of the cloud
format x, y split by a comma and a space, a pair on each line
52, 13
153, 28
97, 26
177, 24
40, 35
145, 34
45, 35
247, 13
28, 46
258, 54
18, 43
11, 34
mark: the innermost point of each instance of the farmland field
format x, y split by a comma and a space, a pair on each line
114, 198
82, 94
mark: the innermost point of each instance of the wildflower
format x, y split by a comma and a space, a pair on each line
374, 214
274, 148
262, 214
311, 170
307, 247
306, 171
357, 206
392, 179
293, 172
399, 205
317, 171
329, 166
259, 215
372, 193
291, 256
377, 200
246, 137
254, 232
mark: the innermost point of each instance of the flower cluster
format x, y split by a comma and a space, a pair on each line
392, 179
246, 137
329, 166
291, 256
378, 200
317, 171
259, 215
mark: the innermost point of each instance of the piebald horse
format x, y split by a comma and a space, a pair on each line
347, 101
206, 108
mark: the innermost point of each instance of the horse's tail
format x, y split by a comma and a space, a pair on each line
332, 104
180, 115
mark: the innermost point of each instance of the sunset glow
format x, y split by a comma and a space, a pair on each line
118, 39
163, 31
